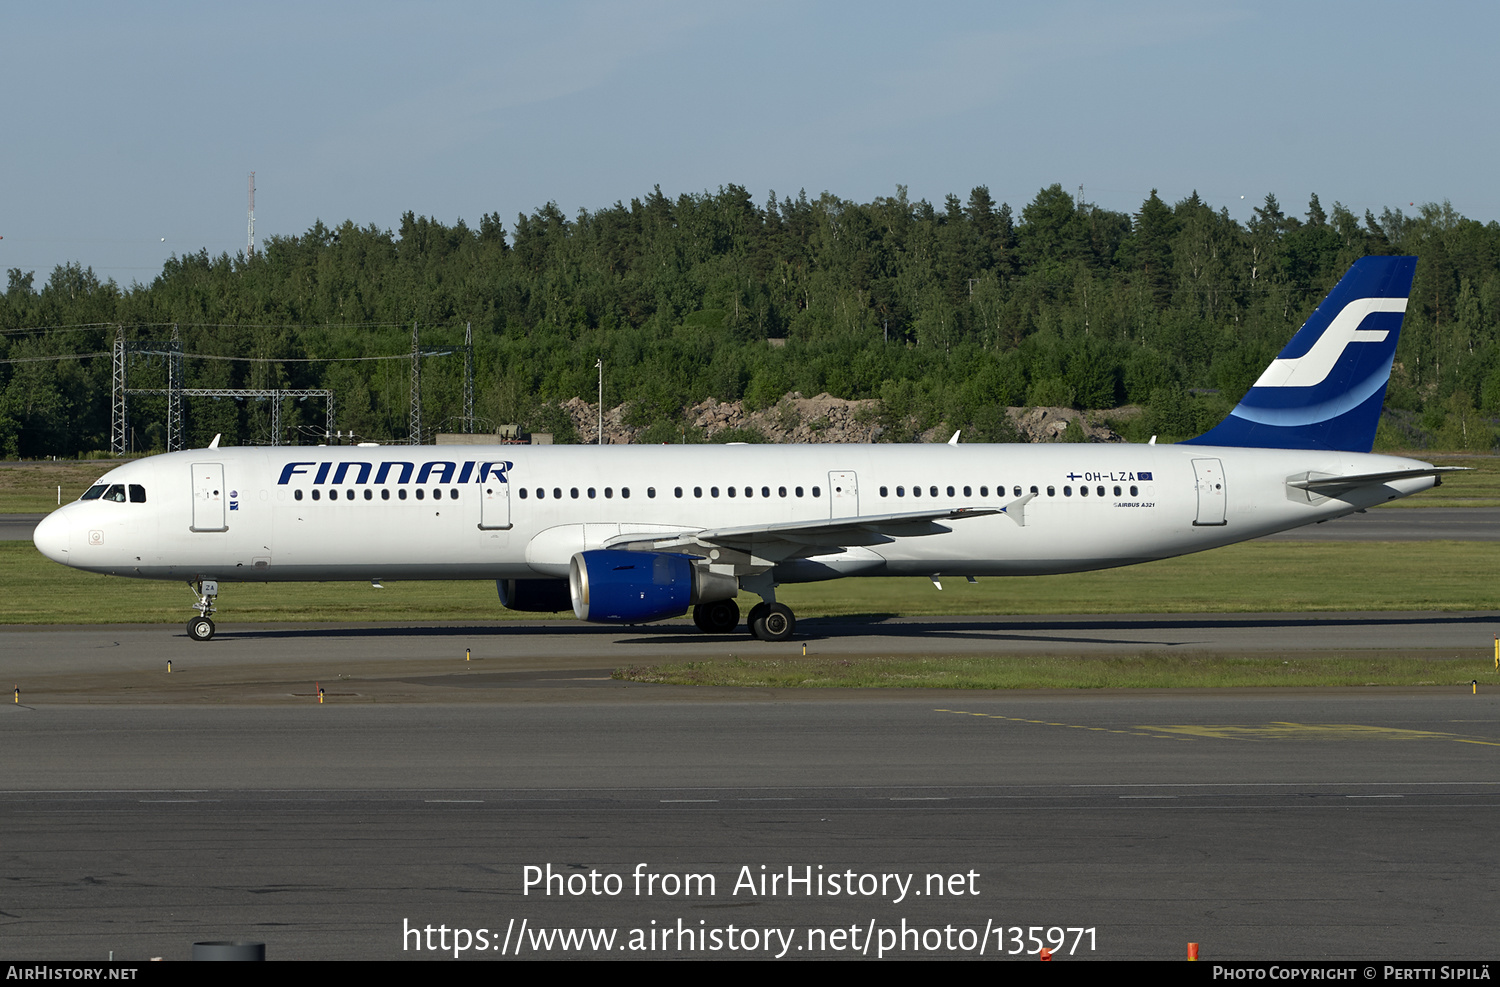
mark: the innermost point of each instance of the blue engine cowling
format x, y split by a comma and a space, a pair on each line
611, 586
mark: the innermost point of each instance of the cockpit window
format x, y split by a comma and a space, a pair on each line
93, 493
137, 494
116, 493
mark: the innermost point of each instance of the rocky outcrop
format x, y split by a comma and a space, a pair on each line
825, 418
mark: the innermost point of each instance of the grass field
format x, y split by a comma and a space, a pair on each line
32, 488
1146, 671
1253, 577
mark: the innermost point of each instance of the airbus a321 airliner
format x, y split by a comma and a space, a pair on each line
633, 534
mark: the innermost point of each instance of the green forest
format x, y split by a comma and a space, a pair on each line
946, 313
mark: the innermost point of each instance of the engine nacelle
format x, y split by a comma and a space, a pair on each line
534, 595
610, 586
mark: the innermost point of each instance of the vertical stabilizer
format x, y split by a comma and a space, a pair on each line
1326, 389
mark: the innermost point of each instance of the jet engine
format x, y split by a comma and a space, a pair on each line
610, 586
534, 595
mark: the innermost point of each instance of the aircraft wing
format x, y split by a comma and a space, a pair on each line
791, 539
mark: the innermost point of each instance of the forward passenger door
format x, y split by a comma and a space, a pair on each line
208, 497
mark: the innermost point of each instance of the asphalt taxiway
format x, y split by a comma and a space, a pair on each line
144, 810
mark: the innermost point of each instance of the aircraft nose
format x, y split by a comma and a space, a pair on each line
51, 537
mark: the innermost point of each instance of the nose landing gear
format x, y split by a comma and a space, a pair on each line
201, 628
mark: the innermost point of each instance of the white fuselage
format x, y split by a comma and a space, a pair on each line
519, 512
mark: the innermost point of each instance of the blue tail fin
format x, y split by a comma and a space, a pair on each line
1326, 389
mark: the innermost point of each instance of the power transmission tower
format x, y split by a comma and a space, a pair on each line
174, 392
415, 425
251, 235
468, 378
117, 426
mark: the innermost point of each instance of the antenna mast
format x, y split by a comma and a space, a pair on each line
251, 235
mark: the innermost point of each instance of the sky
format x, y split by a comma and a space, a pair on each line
128, 131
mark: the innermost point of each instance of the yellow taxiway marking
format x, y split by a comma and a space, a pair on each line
1050, 723
1311, 731
1268, 731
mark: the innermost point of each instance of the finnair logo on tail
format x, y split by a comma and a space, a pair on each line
1314, 366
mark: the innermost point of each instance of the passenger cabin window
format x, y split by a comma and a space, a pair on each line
296, 494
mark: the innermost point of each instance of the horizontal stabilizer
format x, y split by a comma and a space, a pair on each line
1328, 486
1016, 509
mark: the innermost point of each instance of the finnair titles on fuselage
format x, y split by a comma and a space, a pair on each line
633, 534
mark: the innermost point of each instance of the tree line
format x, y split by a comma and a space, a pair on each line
947, 313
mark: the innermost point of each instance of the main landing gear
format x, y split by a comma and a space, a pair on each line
767, 621
201, 628
772, 622
718, 617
